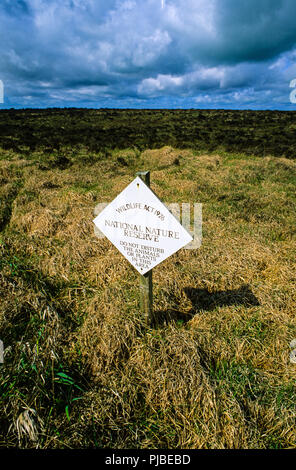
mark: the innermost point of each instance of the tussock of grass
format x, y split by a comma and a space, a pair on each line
213, 369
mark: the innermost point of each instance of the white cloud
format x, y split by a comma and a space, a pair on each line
145, 49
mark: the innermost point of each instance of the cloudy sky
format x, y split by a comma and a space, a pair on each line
231, 54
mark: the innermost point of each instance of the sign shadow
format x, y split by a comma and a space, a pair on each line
204, 300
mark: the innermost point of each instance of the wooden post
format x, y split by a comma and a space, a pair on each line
146, 292
1, 352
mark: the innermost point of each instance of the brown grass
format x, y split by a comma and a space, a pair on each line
212, 372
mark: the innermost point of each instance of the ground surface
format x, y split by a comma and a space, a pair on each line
80, 368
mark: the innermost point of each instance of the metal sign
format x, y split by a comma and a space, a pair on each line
141, 227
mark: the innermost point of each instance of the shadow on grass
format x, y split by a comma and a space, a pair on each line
203, 300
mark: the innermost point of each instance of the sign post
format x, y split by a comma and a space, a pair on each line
146, 290
1, 352
145, 232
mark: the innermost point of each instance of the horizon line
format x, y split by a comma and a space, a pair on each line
141, 109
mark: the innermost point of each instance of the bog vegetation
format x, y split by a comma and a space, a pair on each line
81, 370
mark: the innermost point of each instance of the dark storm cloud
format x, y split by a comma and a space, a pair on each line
132, 52
255, 30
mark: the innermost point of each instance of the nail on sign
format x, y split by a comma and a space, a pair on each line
141, 227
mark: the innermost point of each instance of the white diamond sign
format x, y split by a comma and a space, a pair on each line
141, 227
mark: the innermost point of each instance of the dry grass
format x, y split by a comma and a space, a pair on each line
213, 371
